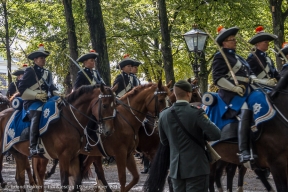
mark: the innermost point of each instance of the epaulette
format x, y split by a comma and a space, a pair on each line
217, 53
197, 107
250, 55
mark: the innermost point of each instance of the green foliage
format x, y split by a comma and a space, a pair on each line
132, 26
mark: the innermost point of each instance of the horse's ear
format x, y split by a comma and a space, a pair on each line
159, 84
169, 84
102, 88
189, 80
115, 87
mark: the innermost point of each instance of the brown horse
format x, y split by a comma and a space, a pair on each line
130, 115
76, 110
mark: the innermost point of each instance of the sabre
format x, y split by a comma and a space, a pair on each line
253, 53
282, 54
225, 58
36, 77
79, 68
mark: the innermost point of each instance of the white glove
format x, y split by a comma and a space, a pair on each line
41, 96
238, 89
58, 93
269, 82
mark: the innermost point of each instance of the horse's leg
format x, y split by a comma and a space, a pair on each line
212, 177
220, 165
2, 182
20, 172
64, 164
262, 176
29, 172
131, 166
100, 172
278, 169
74, 170
52, 170
242, 171
39, 167
121, 161
230, 173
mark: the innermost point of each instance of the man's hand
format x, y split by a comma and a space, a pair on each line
239, 90
41, 96
272, 82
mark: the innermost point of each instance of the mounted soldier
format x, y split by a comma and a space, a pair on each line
134, 71
90, 69
13, 87
89, 76
233, 79
124, 80
260, 63
36, 86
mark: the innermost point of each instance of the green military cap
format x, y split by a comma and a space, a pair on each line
184, 85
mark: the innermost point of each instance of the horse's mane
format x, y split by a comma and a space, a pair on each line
282, 83
4, 99
80, 91
136, 90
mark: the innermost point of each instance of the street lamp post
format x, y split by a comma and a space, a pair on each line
195, 40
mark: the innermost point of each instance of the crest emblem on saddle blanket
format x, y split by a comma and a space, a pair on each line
46, 113
11, 133
256, 108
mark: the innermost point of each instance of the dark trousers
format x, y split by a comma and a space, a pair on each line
192, 184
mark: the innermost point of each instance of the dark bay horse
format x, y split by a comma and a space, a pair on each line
63, 140
122, 143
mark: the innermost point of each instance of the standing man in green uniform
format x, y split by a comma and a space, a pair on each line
189, 165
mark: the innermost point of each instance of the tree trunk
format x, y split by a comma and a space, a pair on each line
278, 19
166, 42
72, 39
7, 38
98, 37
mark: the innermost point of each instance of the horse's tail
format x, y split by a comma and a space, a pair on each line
159, 170
85, 162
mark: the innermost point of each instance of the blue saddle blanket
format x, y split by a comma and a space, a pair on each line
257, 102
16, 125
261, 107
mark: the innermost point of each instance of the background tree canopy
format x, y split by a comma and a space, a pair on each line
133, 27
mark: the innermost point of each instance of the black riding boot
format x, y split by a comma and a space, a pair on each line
146, 163
91, 131
34, 117
243, 135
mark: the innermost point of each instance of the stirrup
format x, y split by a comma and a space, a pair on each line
87, 148
244, 158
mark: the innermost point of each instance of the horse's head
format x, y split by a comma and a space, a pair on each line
4, 102
156, 99
103, 108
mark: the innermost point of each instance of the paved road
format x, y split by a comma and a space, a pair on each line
53, 184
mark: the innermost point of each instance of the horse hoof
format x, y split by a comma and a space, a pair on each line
240, 189
47, 175
220, 190
3, 184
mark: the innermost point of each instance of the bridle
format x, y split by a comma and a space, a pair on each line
155, 117
101, 119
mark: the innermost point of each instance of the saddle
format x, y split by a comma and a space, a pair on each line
17, 127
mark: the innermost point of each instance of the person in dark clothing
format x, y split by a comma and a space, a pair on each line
228, 88
36, 86
261, 64
134, 71
90, 69
89, 76
189, 164
124, 80
13, 87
